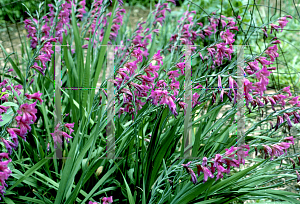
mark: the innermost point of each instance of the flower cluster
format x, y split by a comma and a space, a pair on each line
278, 149
4, 172
282, 23
217, 164
58, 133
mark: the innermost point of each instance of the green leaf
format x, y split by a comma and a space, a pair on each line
10, 104
31, 171
32, 200
16, 69
6, 117
130, 197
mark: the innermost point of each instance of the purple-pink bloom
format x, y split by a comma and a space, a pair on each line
158, 58
36, 96
298, 176
287, 90
291, 138
206, 171
28, 111
107, 200
227, 36
272, 52
294, 101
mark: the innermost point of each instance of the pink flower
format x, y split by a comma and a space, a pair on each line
186, 165
158, 58
43, 58
287, 90
290, 139
9, 145
219, 82
263, 61
279, 122
272, 52
138, 55
57, 135
227, 36
206, 171
28, 112
4, 173
282, 22
274, 27
294, 101
221, 170
173, 74
23, 124
298, 176
13, 135
36, 95
107, 200
287, 119
265, 32
4, 109
276, 42
38, 68
172, 1
267, 150
70, 126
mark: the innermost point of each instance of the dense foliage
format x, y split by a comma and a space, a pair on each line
172, 77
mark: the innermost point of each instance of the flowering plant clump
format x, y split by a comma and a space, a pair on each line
132, 114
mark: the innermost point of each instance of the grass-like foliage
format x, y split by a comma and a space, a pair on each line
98, 113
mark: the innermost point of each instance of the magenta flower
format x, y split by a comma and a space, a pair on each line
277, 150
43, 58
9, 145
219, 82
186, 165
263, 61
204, 163
181, 66
274, 27
287, 119
282, 22
57, 136
267, 150
138, 55
28, 112
272, 101
70, 126
287, 90
158, 58
4, 109
272, 52
152, 69
38, 68
173, 74
36, 95
294, 101
221, 170
290, 139
23, 124
4, 173
242, 154
265, 32
298, 176
206, 171
276, 42
13, 135
227, 36
193, 175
